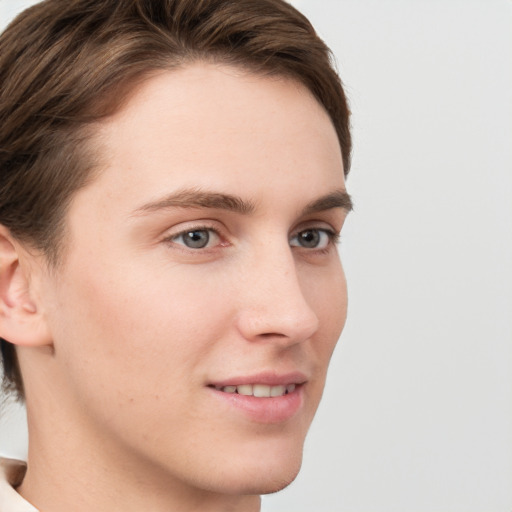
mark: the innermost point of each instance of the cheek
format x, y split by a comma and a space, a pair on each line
129, 319
340, 303
329, 301
131, 343
326, 292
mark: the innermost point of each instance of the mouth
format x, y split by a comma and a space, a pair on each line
258, 390
263, 398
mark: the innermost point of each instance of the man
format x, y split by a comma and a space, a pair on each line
172, 189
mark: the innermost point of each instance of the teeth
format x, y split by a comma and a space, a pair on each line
277, 390
245, 389
259, 390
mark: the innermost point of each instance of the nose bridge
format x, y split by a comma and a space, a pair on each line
275, 305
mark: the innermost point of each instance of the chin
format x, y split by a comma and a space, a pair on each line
276, 485
265, 476
264, 485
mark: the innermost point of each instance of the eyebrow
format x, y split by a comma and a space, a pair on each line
194, 198
337, 199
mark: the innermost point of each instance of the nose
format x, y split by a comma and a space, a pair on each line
274, 306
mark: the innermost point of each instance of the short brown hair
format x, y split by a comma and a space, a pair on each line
65, 64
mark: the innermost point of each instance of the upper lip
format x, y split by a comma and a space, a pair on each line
268, 378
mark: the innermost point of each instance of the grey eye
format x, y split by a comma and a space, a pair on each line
196, 239
311, 239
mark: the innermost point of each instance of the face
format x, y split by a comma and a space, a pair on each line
201, 294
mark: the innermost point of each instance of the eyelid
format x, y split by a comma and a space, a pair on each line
333, 237
320, 224
171, 235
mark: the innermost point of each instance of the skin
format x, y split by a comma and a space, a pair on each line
121, 415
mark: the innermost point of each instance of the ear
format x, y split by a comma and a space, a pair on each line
21, 319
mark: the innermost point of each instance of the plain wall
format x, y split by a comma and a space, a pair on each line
417, 414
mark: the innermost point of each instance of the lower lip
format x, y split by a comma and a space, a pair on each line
266, 409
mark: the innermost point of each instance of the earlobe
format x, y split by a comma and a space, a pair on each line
21, 319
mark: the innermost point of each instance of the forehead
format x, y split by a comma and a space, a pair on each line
218, 127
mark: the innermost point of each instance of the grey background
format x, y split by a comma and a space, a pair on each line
417, 414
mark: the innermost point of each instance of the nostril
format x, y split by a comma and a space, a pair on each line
272, 335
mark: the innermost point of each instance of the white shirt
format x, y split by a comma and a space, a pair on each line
11, 475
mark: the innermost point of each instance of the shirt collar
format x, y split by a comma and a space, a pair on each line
11, 475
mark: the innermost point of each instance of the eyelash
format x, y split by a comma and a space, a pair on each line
194, 229
332, 238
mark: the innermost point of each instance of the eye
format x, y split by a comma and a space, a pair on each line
313, 238
197, 238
